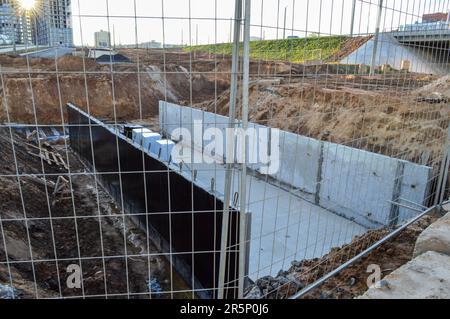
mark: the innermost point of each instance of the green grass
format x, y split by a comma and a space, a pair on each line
293, 50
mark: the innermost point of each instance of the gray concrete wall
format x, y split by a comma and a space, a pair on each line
353, 183
391, 52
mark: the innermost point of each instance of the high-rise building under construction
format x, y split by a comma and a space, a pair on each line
48, 23
53, 23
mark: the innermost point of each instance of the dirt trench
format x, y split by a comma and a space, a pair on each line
42, 233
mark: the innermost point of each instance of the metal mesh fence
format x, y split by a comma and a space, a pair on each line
215, 149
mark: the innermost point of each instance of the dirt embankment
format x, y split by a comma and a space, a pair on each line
34, 91
349, 46
42, 233
352, 281
439, 88
380, 114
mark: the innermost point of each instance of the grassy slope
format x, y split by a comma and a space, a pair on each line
293, 50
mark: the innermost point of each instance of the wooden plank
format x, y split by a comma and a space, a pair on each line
55, 159
62, 161
47, 157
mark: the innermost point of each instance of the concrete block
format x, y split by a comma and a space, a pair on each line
149, 139
425, 277
163, 149
137, 135
435, 238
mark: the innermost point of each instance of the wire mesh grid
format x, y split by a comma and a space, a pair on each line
112, 187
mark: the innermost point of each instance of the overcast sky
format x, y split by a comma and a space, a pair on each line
211, 17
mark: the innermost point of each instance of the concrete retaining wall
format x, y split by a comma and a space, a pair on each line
356, 184
179, 216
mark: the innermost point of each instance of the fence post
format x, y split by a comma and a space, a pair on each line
377, 37
230, 145
352, 25
243, 190
443, 174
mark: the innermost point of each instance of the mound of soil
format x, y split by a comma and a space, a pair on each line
374, 114
440, 87
352, 281
36, 90
42, 233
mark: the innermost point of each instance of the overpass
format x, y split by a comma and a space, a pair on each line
439, 38
428, 51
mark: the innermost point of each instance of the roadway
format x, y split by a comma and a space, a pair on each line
38, 52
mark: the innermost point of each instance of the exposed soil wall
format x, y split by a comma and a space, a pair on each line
386, 119
42, 234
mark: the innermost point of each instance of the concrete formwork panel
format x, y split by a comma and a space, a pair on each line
415, 189
357, 184
300, 161
353, 183
221, 123
189, 119
169, 117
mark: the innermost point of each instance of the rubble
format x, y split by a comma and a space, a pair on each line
7, 292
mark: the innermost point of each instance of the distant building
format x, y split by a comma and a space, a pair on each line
52, 23
151, 45
102, 39
435, 17
11, 24
49, 23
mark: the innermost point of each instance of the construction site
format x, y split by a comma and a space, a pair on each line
89, 176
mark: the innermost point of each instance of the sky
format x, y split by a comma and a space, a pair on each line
177, 21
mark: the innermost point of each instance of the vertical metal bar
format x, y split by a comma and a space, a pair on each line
377, 37
284, 27
243, 191
352, 24
443, 174
230, 145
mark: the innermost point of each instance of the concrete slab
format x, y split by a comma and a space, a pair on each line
284, 227
425, 277
435, 238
